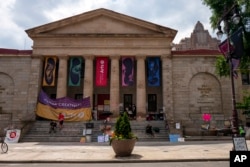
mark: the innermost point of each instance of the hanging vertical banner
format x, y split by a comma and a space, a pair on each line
101, 71
153, 71
75, 71
49, 71
127, 71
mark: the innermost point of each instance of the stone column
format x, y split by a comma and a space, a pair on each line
62, 76
114, 86
88, 77
141, 87
167, 87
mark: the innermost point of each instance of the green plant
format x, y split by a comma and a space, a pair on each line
122, 129
245, 104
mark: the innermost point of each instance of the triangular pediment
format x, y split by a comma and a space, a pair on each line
101, 21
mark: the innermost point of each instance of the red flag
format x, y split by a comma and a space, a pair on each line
223, 47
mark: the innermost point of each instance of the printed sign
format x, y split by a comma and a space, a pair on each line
12, 136
240, 144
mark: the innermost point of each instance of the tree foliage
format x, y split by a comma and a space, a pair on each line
221, 66
122, 129
218, 9
245, 104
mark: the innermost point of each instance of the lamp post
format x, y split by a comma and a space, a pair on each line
229, 16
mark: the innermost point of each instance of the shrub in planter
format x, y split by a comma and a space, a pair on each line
123, 140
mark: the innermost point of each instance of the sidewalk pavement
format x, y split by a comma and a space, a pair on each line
37, 152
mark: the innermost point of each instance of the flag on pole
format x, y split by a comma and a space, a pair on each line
236, 49
237, 42
236, 45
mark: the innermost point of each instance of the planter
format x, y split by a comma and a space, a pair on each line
123, 148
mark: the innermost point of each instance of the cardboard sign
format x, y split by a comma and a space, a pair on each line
240, 144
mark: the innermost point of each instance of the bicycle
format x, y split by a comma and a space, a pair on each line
4, 146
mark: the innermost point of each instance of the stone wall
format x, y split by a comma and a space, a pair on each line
19, 86
197, 90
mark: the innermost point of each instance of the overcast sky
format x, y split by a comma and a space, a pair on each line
16, 16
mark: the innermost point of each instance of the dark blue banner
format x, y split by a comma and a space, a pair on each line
153, 71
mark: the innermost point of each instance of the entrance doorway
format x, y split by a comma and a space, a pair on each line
103, 108
127, 101
152, 103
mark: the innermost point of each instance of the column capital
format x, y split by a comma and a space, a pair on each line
63, 56
89, 57
114, 57
140, 57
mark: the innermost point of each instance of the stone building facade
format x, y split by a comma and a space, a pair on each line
199, 39
189, 86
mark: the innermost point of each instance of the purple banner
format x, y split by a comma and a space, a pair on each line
127, 71
64, 102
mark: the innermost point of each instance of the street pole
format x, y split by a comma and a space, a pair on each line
235, 125
234, 120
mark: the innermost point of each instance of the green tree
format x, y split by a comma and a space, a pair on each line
218, 9
245, 104
122, 129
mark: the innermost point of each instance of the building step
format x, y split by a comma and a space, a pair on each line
73, 131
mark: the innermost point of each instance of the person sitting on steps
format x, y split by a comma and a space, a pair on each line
149, 130
53, 125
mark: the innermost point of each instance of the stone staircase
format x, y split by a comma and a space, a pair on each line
73, 131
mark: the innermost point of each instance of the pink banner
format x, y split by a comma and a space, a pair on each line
101, 71
127, 71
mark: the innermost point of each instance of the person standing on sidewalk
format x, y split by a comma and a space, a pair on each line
61, 120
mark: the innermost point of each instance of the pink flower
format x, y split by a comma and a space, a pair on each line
206, 117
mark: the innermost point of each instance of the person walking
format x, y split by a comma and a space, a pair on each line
61, 120
134, 111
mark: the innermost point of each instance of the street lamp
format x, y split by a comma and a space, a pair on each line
230, 16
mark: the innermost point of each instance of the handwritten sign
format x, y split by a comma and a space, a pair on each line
240, 144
